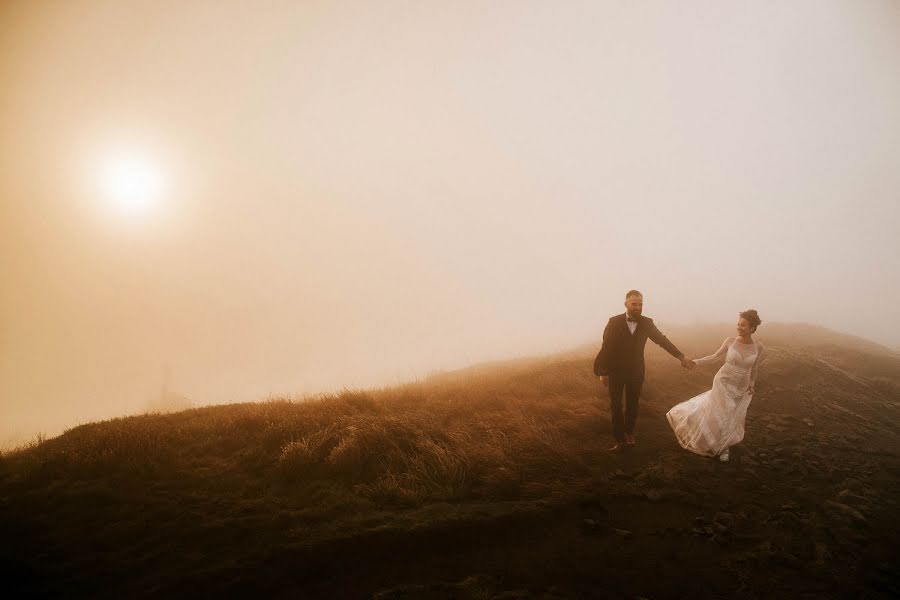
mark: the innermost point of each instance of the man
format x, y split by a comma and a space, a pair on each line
620, 364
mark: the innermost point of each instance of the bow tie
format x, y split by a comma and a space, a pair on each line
631, 319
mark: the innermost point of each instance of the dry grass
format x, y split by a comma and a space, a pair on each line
429, 441
516, 428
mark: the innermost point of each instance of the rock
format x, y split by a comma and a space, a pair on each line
624, 533
790, 520
620, 474
724, 518
595, 526
654, 495
845, 511
848, 497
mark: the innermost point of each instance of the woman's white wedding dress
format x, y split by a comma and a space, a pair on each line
713, 421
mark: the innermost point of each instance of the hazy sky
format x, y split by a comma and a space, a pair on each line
358, 193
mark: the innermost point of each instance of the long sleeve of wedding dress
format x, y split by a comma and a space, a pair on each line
719, 354
753, 369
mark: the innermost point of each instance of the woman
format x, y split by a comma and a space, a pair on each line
712, 422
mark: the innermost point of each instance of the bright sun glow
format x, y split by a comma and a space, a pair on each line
132, 185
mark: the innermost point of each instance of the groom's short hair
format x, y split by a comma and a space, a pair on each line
633, 293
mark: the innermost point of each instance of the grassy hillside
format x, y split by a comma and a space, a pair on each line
479, 482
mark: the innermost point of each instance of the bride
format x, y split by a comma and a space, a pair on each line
710, 423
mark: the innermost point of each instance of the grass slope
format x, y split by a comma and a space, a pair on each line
482, 482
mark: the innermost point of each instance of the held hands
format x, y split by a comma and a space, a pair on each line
604, 380
687, 363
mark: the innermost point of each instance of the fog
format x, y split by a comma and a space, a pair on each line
360, 193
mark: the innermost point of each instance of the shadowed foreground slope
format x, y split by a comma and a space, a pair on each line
482, 483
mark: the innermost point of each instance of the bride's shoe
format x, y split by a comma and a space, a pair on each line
724, 455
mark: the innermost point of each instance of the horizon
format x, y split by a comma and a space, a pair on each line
231, 203
11, 443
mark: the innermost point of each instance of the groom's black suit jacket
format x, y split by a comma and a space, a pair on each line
622, 353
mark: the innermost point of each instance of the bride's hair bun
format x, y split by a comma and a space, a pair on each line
752, 317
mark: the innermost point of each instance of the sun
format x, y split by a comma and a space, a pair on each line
132, 184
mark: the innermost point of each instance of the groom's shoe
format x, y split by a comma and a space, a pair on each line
617, 447
629, 439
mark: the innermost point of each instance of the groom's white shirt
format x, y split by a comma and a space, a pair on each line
632, 325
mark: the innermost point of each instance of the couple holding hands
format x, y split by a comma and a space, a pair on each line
707, 424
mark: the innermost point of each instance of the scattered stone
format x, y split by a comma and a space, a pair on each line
724, 518
654, 495
624, 533
595, 526
704, 531
844, 510
620, 474
848, 497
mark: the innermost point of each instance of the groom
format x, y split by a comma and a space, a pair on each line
620, 364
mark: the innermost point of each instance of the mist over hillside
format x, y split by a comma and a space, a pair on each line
695, 340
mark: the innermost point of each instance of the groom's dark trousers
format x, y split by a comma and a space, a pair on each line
621, 358
623, 387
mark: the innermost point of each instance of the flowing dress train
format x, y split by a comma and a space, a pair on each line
712, 421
